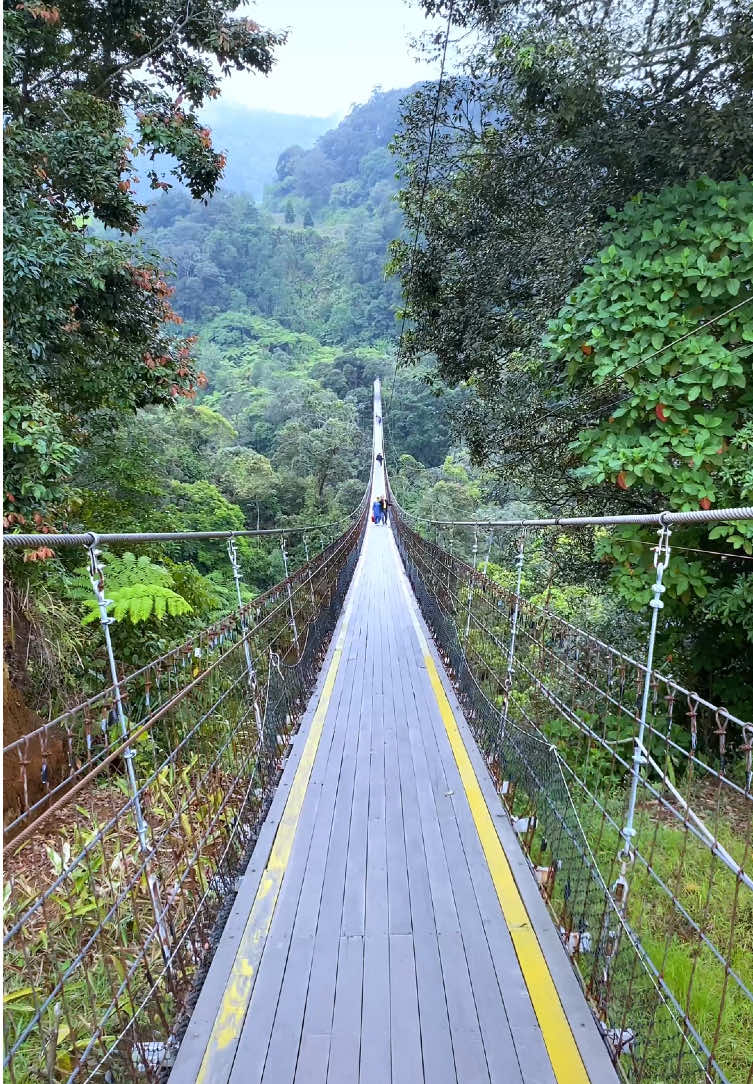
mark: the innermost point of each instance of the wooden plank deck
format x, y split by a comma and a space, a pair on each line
387, 957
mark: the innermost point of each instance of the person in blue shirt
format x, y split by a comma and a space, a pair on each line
376, 510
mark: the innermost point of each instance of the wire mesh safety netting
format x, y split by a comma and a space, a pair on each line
123, 855
658, 925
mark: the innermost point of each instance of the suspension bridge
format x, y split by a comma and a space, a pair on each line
389, 821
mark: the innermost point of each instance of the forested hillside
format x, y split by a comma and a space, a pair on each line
286, 324
313, 255
586, 266
546, 255
287, 315
251, 140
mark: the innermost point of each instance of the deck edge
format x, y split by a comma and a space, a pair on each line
201, 1024
588, 1038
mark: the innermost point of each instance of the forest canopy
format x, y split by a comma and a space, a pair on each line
584, 266
87, 321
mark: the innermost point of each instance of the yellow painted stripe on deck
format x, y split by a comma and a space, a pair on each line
562, 1049
235, 1000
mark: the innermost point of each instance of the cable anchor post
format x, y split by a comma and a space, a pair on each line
662, 552
97, 580
290, 593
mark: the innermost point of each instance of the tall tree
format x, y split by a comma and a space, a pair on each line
86, 319
563, 112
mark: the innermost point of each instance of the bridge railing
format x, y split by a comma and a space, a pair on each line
142, 821
44, 763
632, 798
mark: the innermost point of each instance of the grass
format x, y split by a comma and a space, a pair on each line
712, 899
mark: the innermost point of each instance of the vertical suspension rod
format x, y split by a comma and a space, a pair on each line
250, 668
661, 560
97, 578
472, 586
513, 632
290, 593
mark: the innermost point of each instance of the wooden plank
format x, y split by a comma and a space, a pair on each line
442, 899
313, 1059
467, 1045
345, 1046
283, 1035
283, 1045
354, 901
436, 1037
466, 864
320, 1001
405, 1033
375, 1017
436, 1042
486, 935
398, 897
465, 1032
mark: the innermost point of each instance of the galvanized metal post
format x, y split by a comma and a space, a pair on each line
472, 584
513, 635
311, 586
232, 553
290, 593
488, 553
661, 560
97, 578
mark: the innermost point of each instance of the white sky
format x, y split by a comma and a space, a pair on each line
337, 52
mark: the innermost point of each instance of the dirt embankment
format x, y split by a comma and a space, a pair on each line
18, 721
22, 788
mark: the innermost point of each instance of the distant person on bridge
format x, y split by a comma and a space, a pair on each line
380, 458
379, 419
376, 511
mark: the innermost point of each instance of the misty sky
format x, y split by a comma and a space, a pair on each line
337, 52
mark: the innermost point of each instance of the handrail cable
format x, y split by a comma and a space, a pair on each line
93, 538
647, 519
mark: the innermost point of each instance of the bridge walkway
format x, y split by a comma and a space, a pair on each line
371, 936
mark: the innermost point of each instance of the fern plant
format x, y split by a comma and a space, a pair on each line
136, 588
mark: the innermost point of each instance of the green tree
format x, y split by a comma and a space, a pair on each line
673, 417
560, 112
323, 443
308, 219
86, 319
673, 409
251, 482
289, 213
